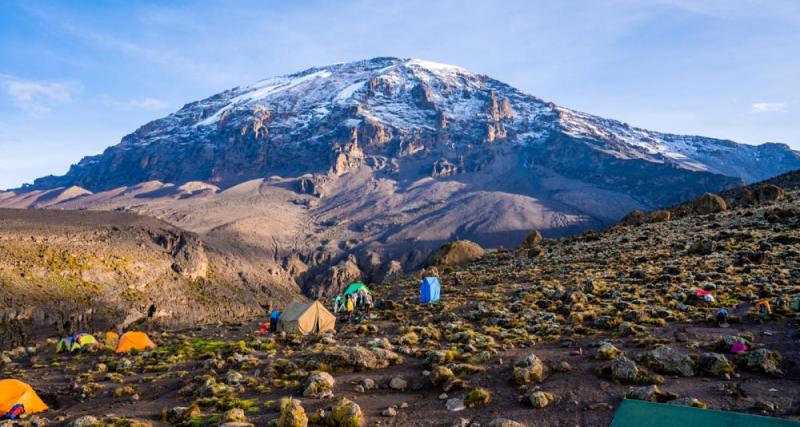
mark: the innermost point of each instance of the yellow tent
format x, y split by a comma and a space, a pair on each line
306, 318
134, 341
13, 392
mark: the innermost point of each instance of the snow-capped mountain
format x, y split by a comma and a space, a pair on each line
376, 111
359, 170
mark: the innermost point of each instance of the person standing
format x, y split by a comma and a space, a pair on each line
350, 307
367, 303
336, 303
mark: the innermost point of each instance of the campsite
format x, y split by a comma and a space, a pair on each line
387, 366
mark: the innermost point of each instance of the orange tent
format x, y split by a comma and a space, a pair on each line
13, 392
134, 341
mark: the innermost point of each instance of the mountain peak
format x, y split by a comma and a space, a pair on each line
378, 111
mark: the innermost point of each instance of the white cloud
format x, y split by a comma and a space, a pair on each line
768, 107
149, 104
37, 96
146, 104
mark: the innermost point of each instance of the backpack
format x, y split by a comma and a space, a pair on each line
16, 411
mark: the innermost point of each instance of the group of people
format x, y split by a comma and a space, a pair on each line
356, 305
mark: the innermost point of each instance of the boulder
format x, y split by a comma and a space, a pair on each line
398, 383
715, 364
455, 404
532, 239
358, 357
633, 218
455, 253
234, 415
531, 368
667, 360
292, 414
318, 383
768, 193
703, 247
637, 217
650, 393
709, 204
624, 370
347, 413
440, 375
540, 399
607, 351
764, 360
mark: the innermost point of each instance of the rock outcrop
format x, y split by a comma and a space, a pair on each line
454, 253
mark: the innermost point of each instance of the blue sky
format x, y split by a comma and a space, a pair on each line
77, 76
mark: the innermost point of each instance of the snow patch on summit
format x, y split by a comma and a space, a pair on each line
262, 90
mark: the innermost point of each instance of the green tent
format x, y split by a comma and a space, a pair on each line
75, 342
356, 287
641, 413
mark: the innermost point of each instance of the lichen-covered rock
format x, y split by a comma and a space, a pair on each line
359, 358
715, 364
292, 414
440, 375
626, 371
317, 383
540, 399
689, 401
477, 397
346, 413
607, 351
667, 360
651, 393
531, 368
234, 415
764, 360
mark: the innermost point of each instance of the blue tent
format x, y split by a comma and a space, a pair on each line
429, 290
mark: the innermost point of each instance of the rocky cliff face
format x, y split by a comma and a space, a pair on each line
94, 270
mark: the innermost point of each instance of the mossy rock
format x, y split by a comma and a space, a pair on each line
292, 413
346, 413
440, 375
477, 397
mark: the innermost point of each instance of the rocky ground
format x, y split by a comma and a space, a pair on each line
553, 333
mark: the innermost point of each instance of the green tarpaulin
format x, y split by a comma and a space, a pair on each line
640, 413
